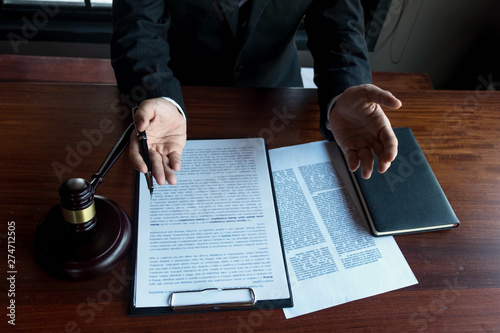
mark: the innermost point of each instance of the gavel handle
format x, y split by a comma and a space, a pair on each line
113, 155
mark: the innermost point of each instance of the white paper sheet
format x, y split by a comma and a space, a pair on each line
331, 256
216, 228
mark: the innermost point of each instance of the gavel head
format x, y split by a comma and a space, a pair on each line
77, 204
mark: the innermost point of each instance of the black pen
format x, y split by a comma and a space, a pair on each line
144, 149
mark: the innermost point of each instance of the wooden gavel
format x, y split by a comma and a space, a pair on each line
86, 235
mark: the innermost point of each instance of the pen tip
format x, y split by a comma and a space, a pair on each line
149, 181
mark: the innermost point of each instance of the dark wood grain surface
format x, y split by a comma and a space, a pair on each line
51, 132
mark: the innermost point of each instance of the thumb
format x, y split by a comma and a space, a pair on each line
135, 155
382, 97
143, 115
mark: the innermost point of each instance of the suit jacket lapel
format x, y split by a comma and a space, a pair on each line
230, 10
258, 7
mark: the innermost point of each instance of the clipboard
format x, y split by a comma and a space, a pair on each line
222, 296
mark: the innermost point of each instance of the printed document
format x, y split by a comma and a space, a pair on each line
216, 228
332, 258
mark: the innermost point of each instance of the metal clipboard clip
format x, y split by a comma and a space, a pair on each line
211, 299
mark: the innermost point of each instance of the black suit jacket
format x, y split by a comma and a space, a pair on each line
157, 45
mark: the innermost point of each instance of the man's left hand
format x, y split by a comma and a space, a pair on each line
360, 126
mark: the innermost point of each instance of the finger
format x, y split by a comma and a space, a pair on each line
378, 149
169, 173
157, 167
352, 160
144, 114
390, 143
175, 161
135, 155
366, 161
382, 162
385, 150
383, 166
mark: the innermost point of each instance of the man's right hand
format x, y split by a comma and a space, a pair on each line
166, 131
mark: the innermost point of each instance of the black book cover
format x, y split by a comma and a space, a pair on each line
407, 198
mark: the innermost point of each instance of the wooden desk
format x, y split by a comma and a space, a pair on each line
458, 270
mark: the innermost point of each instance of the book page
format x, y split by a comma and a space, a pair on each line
216, 228
331, 255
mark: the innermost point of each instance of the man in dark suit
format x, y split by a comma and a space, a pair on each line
157, 45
